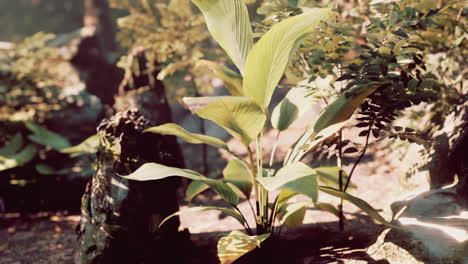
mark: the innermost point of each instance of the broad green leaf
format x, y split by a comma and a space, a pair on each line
329, 176
19, 158
195, 188
46, 137
329, 208
88, 146
336, 113
154, 171
228, 22
292, 215
176, 130
231, 79
12, 146
269, 57
242, 117
227, 211
196, 103
363, 205
296, 177
284, 196
239, 175
293, 105
236, 244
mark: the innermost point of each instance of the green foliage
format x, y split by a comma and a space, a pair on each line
236, 244
245, 119
170, 34
176, 130
371, 60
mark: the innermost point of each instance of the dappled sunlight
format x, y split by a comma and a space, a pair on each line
459, 234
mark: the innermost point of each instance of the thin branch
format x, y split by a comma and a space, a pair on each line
360, 156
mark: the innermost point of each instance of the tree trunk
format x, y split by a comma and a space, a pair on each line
450, 154
97, 16
120, 218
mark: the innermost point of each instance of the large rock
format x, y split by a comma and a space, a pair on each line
434, 230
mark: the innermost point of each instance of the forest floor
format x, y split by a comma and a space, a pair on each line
50, 237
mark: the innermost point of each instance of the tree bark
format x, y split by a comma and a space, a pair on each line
120, 218
97, 16
449, 157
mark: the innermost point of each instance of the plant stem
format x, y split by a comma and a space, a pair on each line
202, 131
340, 179
273, 150
246, 225
360, 156
255, 186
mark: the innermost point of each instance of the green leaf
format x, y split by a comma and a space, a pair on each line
196, 103
336, 114
176, 130
292, 215
88, 146
269, 57
242, 117
154, 171
237, 173
12, 146
363, 205
46, 137
329, 208
231, 79
329, 176
195, 188
18, 159
228, 22
296, 177
236, 244
227, 211
45, 169
293, 105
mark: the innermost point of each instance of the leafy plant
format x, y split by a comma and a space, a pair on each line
244, 115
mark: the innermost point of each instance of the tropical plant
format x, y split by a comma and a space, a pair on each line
244, 115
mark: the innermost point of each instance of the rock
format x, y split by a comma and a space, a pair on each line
434, 230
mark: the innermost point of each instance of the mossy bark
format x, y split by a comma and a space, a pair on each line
120, 218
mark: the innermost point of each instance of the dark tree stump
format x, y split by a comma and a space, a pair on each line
450, 156
120, 218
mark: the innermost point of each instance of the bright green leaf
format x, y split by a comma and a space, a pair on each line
18, 159
46, 137
228, 22
269, 57
363, 205
227, 211
12, 146
336, 114
196, 103
154, 171
195, 188
236, 244
296, 177
239, 175
293, 105
242, 117
176, 130
88, 146
231, 79
292, 215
